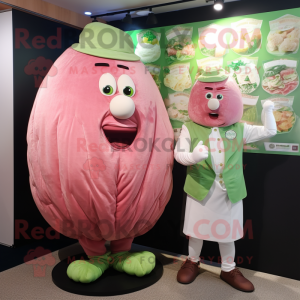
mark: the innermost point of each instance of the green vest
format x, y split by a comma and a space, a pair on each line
200, 177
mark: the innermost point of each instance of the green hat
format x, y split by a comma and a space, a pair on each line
213, 74
102, 40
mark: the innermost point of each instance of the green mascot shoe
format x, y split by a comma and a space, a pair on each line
138, 263
88, 271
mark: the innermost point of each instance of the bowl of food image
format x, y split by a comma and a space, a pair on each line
148, 48
285, 120
284, 114
284, 36
247, 39
180, 46
245, 73
280, 77
177, 107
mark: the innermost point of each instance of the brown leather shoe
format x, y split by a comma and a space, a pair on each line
188, 272
236, 279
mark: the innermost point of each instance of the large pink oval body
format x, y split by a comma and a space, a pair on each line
81, 184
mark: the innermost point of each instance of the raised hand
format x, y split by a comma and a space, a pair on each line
268, 105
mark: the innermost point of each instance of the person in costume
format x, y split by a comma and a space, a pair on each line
100, 152
211, 145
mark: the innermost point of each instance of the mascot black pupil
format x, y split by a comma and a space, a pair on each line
107, 89
127, 91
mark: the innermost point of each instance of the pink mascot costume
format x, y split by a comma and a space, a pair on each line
100, 152
211, 145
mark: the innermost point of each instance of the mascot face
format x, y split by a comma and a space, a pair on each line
217, 104
100, 148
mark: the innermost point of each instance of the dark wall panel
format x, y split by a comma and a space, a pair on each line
37, 44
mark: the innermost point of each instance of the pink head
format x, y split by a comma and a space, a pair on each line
216, 104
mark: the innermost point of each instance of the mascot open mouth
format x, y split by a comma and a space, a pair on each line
120, 137
214, 116
120, 133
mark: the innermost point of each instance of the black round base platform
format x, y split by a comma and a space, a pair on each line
111, 283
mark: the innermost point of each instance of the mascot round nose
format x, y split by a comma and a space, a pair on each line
213, 104
122, 107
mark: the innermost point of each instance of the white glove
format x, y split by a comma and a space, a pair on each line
268, 105
200, 152
267, 108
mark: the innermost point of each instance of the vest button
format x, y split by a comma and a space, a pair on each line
219, 140
221, 175
220, 151
216, 129
221, 182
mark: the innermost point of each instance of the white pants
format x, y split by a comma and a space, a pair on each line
227, 251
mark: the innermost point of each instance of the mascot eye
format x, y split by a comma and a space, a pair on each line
108, 90
126, 85
220, 97
128, 91
208, 95
107, 84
